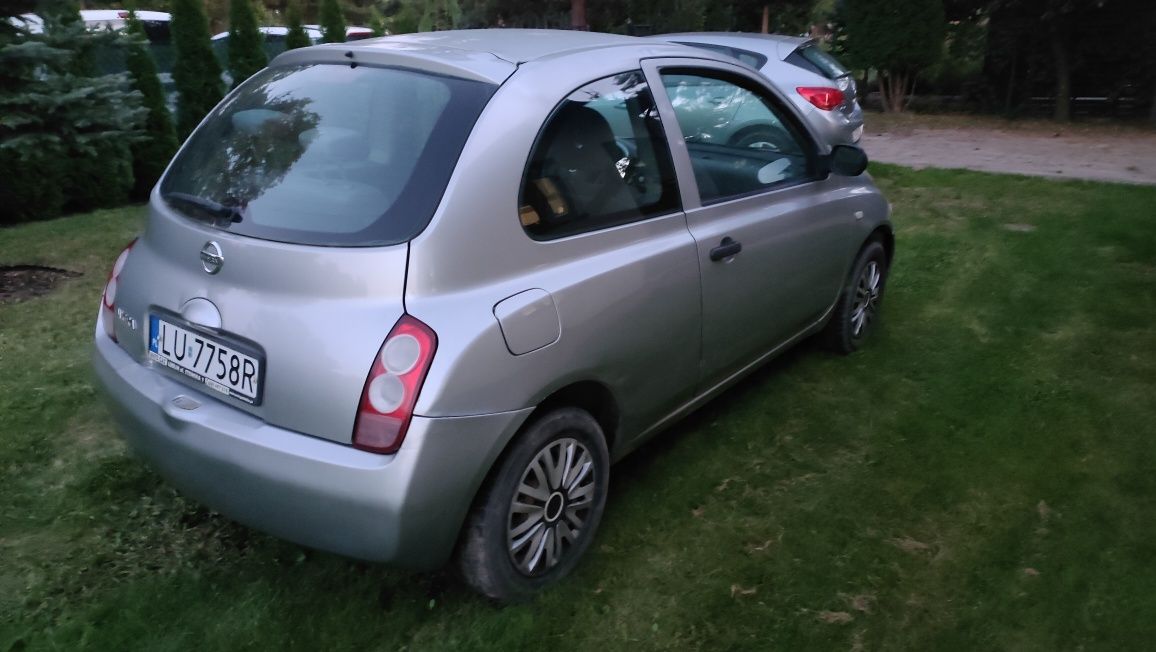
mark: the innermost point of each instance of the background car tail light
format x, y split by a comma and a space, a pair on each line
391, 390
824, 97
108, 300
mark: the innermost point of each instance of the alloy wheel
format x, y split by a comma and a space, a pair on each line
866, 303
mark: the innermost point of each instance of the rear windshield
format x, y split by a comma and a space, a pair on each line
812, 57
327, 154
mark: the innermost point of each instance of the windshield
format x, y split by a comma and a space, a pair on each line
327, 154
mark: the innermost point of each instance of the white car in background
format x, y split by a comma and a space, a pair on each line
275, 34
94, 19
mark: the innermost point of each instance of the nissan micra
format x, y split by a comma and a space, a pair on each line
406, 300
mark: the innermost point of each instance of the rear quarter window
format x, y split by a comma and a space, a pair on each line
601, 160
327, 154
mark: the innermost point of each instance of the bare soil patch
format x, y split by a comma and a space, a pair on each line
20, 282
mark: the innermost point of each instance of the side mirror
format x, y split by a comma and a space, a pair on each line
847, 160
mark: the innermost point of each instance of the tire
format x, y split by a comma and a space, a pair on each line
857, 309
509, 555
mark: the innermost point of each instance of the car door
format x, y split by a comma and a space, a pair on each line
772, 238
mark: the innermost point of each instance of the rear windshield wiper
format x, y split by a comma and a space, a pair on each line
204, 205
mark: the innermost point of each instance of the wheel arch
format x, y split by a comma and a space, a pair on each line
884, 236
588, 395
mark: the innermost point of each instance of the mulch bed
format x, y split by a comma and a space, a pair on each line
20, 282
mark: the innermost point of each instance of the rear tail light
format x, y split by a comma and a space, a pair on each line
823, 97
391, 390
108, 300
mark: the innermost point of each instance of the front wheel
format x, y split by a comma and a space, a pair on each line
539, 510
857, 309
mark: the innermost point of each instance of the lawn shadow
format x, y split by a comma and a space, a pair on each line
692, 429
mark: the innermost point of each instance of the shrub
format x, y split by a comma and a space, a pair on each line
33, 185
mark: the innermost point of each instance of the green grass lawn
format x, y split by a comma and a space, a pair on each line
981, 476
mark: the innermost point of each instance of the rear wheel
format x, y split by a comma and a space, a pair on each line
539, 510
858, 307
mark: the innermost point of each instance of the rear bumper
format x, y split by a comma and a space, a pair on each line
837, 127
405, 509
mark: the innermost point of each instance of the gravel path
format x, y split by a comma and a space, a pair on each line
1122, 157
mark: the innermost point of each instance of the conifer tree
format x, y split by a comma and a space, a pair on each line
196, 72
439, 15
377, 23
152, 153
64, 136
99, 159
296, 38
332, 22
246, 43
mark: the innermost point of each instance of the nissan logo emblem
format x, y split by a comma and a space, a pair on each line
211, 257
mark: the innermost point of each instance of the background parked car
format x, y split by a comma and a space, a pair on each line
275, 42
822, 88
109, 60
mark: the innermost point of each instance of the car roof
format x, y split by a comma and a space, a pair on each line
514, 45
490, 55
778, 46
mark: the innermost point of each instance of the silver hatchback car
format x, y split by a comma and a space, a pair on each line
407, 299
821, 88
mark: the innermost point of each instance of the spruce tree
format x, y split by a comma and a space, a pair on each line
196, 73
332, 22
99, 158
246, 43
152, 153
64, 136
296, 38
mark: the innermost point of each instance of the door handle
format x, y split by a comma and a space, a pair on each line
725, 249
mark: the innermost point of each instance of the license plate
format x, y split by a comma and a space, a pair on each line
220, 366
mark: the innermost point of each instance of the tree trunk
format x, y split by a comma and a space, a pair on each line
893, 88
766, 19
1152, 111
1011, 82
1063, 112
578, 15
